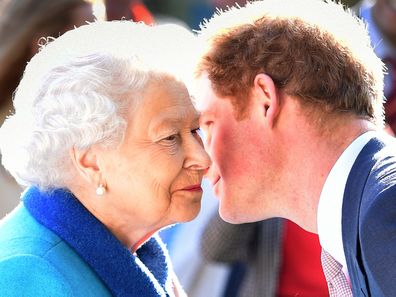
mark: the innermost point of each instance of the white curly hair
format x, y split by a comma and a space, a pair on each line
77, 90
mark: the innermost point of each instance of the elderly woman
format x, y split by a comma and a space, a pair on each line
105, 138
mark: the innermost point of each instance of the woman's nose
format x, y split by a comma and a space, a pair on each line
196, 156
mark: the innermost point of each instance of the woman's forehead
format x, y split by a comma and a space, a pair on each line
166, 103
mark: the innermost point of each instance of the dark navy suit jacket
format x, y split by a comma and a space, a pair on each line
369, 220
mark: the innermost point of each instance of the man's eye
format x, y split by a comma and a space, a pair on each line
207, 124
196, 131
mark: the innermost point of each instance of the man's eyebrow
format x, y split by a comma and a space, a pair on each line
206, 113
197, 117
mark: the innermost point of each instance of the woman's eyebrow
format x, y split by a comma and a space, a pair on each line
173, 121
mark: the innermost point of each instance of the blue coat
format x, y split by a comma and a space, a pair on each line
50, 245
369, 220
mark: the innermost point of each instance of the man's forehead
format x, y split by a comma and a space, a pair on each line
203, 94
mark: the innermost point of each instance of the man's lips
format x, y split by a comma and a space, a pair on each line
193, 188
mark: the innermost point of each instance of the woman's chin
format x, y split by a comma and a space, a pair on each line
190, 213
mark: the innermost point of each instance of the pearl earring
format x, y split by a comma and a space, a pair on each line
100, 190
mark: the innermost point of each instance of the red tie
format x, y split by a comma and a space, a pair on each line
336, 280
390, 104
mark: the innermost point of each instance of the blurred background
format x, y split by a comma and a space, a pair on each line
24, 25
191, 12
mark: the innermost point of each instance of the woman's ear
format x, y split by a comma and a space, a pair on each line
86, 163
265, 90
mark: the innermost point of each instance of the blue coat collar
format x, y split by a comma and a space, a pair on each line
124, 274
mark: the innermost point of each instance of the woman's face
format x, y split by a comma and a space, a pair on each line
154, 176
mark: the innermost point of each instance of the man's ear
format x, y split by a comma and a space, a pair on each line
266, 92
86, 164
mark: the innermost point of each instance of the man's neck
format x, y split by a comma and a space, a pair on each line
316, 154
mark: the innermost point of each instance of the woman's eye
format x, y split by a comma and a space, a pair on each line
171, 138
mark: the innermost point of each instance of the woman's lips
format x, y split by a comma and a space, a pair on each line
193, 188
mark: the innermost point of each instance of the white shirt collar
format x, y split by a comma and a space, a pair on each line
330, 202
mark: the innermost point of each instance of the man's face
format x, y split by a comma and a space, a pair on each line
237, 150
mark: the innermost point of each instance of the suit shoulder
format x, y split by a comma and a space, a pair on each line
377, 233
378, 208
381, 180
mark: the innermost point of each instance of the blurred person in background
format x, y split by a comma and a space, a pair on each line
105, 137
22, 24
134, 10
380, 16
269, 258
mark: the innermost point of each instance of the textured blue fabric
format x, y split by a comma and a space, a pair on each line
369, 220
52, 242
36, 262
